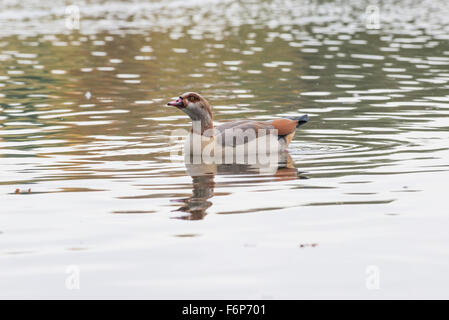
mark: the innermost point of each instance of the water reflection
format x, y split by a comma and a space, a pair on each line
83, 125
203, 181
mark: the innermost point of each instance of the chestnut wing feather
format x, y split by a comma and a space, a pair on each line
284, 126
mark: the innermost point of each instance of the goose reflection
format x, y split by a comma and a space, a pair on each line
203, 180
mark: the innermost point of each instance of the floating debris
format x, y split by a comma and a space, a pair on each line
18, 191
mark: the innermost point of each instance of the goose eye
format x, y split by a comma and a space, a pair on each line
192, 99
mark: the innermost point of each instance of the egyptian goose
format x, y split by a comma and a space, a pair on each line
234, 133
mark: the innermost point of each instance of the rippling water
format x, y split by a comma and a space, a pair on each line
87, 177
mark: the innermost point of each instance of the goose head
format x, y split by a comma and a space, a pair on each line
196, 107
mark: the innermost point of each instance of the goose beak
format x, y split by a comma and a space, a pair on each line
176, 103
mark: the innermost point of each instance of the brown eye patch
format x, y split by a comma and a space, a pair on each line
192, 99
